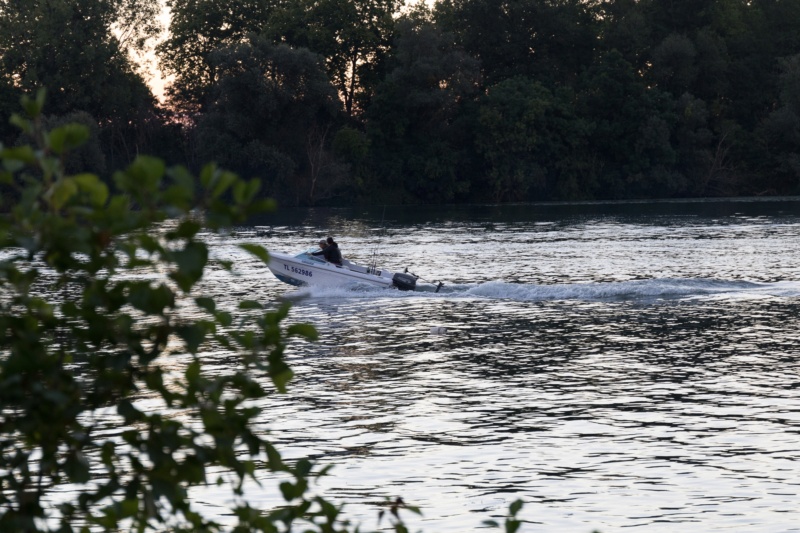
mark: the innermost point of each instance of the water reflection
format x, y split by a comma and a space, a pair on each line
566, 405
614, 366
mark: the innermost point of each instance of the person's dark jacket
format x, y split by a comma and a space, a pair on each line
331, 254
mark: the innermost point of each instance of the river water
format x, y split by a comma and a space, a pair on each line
631, 365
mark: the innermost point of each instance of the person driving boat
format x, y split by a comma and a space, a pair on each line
330, 251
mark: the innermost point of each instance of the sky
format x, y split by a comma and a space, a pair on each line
149, 62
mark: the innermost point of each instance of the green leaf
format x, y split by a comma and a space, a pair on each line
293, 491
281, 376
191, 263
257, 250
207, 174
239, 192
192, 336
127, 411
250, 304
119, 205
77, 467
129, 507
150, 300
68, 137
206, 303
187, 229
25, 125
303, 330
61, 192
108, 452
193, 371
224, 318
33, 106
222, 182
142, 176
149, 244
253, 186
96, 189
23, 154
181, 176
303, 467
10, 166
50, 165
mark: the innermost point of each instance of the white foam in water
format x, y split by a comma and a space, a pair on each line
342, 291
636, 290
623, 290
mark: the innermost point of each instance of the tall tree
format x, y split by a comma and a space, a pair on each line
779, 133
71, 47
674, 65
549, 40
624, 27
136, 21
632, 126
198, 28
417, 126
354, 37
80, 50
531, 142
680, 16
266, 113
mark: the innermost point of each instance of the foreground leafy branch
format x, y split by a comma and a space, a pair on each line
99, 304
93, 290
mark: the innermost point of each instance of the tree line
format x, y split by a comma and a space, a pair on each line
349, 101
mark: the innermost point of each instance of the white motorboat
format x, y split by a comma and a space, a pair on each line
307, 269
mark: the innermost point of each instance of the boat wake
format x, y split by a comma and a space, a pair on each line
636, 290
652, 289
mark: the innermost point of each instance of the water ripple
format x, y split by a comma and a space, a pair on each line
614, 368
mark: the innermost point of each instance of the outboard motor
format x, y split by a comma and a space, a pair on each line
404, 282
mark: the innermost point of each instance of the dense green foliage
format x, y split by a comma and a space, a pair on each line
465, 100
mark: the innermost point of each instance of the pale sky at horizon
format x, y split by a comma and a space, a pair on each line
149, 62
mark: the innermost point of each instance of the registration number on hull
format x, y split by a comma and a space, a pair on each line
301, 271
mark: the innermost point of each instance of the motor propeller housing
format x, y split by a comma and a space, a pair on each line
404, 282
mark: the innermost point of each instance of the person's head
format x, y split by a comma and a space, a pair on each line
330, 240
322, 243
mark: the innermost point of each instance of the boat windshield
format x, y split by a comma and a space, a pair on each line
307, 254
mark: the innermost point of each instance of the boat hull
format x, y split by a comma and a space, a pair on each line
308, 270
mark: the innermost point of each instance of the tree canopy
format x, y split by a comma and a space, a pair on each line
73, 47
647, 99
80, 50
